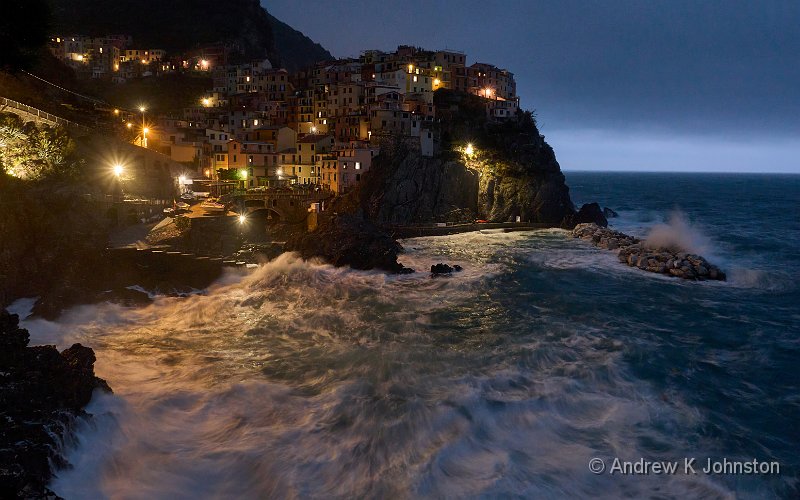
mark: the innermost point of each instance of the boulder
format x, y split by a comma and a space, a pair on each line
608, 213
441, 269
347, 240
591, 213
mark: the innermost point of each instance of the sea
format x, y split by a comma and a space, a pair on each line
544, 369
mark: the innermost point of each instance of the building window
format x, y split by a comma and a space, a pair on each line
358, 165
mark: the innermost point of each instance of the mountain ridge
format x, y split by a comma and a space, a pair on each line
182, 25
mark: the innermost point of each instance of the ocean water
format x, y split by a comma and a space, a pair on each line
300, 380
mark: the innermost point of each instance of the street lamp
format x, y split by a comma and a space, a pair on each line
142, 109
469, 150
313, 129
118, 170
206, 102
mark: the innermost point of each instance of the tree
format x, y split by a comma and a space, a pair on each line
24, 28
32, 153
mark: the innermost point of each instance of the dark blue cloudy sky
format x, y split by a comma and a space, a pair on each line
616, 85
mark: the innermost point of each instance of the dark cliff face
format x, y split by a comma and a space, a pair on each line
512, 173
402, 187
511, 187
41, 392
50, 239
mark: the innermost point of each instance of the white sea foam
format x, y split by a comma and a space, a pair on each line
298, 379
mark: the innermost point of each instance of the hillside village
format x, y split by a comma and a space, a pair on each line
265, 127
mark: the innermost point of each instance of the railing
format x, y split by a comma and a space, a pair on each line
42, 115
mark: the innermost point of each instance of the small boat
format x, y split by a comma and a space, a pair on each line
182, 205
169, 211
188, 196
213, 207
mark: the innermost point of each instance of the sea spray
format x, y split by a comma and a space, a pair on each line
678, 235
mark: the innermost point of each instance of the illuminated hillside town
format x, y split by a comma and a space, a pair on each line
270, 128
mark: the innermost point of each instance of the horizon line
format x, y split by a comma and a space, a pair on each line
630, 171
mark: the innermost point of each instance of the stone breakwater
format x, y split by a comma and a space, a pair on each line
635, 253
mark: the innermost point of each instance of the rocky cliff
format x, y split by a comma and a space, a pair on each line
50, 240
510, 172
41, 392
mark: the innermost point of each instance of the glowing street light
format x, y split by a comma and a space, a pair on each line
144, 127
243, 174
208, 173
313, 129
206, 102
436, 82
279, 172
469, 150
118, 170
129, 124
204, 64
182, 180
242, 218
487, 92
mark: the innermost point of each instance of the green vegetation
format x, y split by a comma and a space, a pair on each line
31, 152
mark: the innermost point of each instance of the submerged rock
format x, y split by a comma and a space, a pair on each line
634, 253
41, 393
347, 240
441, 268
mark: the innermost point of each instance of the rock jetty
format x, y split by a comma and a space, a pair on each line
636, 253
41, 392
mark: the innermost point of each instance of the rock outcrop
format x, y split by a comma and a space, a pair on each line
347, 240
635, 253
402, 188
442, 268
589, 213
51, 241
41, 393
609, 213
510, 172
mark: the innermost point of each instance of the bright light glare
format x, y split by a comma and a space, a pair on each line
242, 219
118, 170
469, 150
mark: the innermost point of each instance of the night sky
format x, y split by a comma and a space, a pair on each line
618, 85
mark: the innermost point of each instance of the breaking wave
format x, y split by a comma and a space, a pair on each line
678, 234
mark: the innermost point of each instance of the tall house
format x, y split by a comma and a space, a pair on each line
490, 81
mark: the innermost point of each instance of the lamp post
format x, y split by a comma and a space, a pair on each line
118, 170
144, 129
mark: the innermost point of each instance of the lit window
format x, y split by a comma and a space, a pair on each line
358, 165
